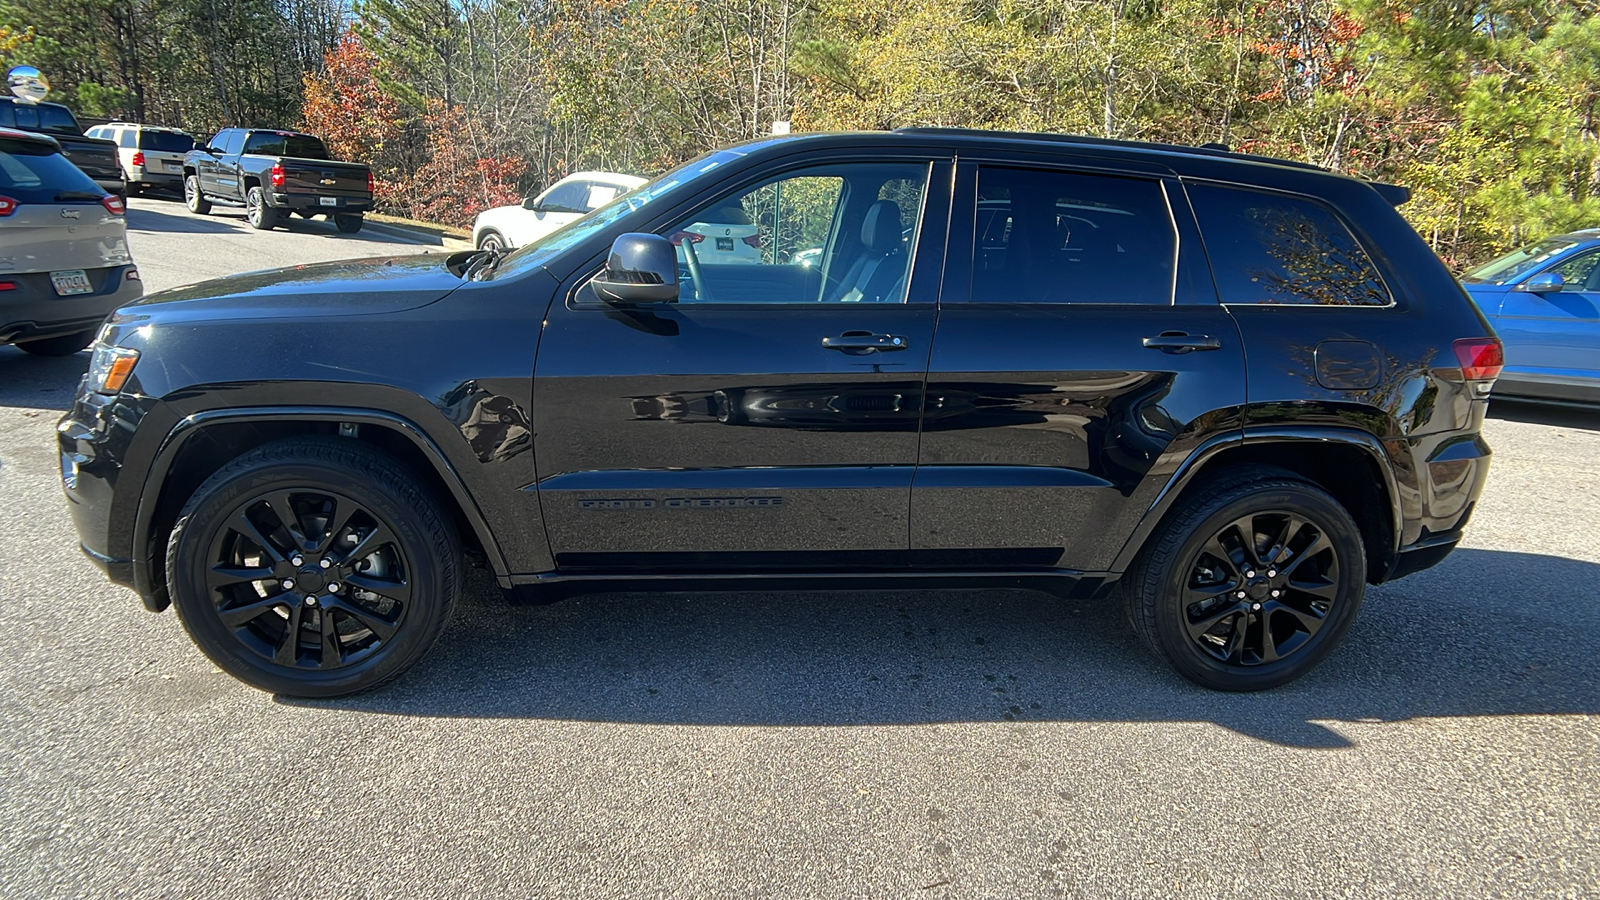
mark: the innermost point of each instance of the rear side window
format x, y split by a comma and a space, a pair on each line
165, 141
1275, 249
129, 138
1071, 237
35, 173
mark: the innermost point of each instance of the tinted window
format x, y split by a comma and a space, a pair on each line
34, 173
570, 197
6, 117
277, 143
232, 140
53, 117
1271, 248
1581, 272
27, 116
1517, 263
1067, 237
165, 141
127, 137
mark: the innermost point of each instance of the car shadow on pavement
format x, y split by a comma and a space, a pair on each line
175, 223
1472, 637
1587, 418
39, 382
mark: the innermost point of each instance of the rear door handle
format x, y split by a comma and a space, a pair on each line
1182, 342
865, 342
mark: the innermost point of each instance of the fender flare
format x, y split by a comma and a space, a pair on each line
194, 424
1208, 451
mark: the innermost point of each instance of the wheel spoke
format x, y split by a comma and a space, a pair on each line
1313, 549
1199, 627
282, 508
1291, 527
332, 654
374, 539
381, 626
1214, 548
1245, 528
243, 614
1269, 646
289, 649
1310, 621
1324, 588
220, 576
242, 524
399, 591
342, 511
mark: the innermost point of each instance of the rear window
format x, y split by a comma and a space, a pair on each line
34, 173
1276, 249
165, 142
269, 143
39, 117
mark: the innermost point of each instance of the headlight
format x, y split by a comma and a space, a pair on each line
110, 367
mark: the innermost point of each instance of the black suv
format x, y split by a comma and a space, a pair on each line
1230, 390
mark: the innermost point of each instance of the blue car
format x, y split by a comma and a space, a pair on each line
1544, 300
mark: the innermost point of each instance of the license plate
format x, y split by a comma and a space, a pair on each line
72, 281
725, 244
173, 167
330, 201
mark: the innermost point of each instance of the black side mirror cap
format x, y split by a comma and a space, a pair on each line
642, 268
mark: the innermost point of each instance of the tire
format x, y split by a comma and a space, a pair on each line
1180, 583
491, 240
256, 211
232, 528
192, 198
65, 345
348, 224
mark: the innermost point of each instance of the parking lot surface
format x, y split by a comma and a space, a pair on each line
880, 744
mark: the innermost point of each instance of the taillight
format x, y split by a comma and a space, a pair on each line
372, 185
753, 240
679, 237
276, 175
7, 206
138, 157
8, 285
1481, 358
113, 204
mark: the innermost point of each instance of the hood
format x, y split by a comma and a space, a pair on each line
359, 287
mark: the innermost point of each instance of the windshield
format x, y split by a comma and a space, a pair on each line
599, 220
1517, 263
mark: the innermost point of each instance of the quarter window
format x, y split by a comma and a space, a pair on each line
1274, 249
1070, 237
129, 138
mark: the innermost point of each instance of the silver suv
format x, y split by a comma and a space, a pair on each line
150, 155
64, 261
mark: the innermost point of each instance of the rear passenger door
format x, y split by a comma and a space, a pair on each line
1080, 356
1556, 336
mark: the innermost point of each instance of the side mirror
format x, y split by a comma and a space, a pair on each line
530, 204
214, 151
642, 268
1545, 283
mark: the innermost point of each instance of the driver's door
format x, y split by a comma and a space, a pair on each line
720, 432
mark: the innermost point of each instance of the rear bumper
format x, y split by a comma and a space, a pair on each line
33, 311
311, 204
145, 175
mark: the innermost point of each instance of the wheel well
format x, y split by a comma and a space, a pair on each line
251, 181
1347, 472
486, 232
217, 445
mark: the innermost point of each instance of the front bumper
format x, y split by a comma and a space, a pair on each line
33, 310
311, 204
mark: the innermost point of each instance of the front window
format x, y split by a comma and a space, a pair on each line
1517, 263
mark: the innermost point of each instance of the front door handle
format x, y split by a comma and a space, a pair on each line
1181, 342
865, 342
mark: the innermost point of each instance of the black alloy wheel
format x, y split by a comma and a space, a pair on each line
313, 567
192, 198
1249, 582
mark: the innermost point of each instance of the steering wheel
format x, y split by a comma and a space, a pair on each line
696, 278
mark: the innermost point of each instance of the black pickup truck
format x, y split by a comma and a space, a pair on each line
97, 158
274, 174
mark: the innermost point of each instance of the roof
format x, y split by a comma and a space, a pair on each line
629, 181
29, 136
145, 127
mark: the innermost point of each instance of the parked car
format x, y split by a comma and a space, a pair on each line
566, 201
97, 158
150, 155
1544, 301
727, 234
1175, 376
64, 262
274, 174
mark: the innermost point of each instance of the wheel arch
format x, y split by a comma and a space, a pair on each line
1321, 455
202, 443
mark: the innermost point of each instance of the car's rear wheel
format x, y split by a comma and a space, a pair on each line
348, 224
1250, 583
256, 211
313, 567
192, 197
66, 345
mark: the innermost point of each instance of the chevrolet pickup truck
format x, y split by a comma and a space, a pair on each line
274, 174
97, 158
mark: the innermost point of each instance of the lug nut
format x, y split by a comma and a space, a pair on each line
297, 559
1240, 595
333, 587
1272, 573
325, 563
1256, 607
1247, 574
311, 601
288, 584
1276, 593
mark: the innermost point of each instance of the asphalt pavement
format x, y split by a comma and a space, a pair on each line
877, 744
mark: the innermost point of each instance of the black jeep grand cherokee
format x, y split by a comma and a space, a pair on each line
1231, 390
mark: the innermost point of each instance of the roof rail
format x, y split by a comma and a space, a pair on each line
1213, 149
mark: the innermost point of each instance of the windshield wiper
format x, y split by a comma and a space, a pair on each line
484, 262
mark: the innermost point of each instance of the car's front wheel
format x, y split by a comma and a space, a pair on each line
1249, 583
313, 567
192, 198
491, 240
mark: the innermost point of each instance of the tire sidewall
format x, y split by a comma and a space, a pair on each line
492, 238
255, 209
188, 557
1342, 532
191, 194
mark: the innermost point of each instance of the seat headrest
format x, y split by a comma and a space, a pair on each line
1593, 282
880, 230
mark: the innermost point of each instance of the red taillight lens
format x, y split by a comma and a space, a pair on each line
8, 285
113, 204
753, 240
372, 184
138, 157
7, 206
1481, 358
679, 237
276, 175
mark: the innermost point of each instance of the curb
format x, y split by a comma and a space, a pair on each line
418, 237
